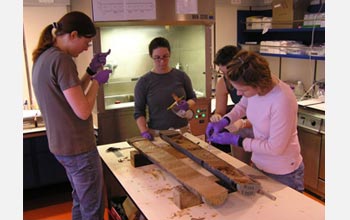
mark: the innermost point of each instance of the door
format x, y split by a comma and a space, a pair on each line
321, 180
310, 143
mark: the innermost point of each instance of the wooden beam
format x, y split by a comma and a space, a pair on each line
137, 159
183, 198
211, 192
232, 178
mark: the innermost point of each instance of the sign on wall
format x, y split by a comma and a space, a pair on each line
123, 10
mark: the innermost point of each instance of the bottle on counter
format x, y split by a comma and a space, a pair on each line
320, 94
299, 90
25, 105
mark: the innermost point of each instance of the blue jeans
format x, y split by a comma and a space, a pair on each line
294, 179
85, 174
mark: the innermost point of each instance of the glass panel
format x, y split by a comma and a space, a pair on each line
129, 58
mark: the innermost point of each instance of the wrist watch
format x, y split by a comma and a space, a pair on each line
89, 71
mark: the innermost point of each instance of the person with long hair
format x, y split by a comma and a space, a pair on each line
66, 103
272, 109
223, 89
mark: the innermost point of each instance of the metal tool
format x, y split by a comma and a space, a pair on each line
116, 150
268, 195
181, 113
176, 101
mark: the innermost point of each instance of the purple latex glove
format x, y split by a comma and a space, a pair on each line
147, 135
226, 138
98, 61
216, 127
102, 76
182, 109
183, 105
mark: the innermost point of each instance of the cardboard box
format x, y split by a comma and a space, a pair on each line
285, 13
314, 19
254, 22
258, 22
250, 47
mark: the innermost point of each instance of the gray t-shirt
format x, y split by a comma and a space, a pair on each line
155, 92
54, 72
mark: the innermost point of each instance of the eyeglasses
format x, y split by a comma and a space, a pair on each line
158, 58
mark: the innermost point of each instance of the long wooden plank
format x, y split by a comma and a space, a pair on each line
211, 192
233, 178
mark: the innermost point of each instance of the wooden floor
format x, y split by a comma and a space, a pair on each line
49, 203
315, 197
61, 211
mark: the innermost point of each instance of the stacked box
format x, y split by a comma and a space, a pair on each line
286, 12
253, 22
280, 47
314, 19
250, 46
258, 22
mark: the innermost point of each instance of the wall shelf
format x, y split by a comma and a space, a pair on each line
294, 56
289, 30
306, 36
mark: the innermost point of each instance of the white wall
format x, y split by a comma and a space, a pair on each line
225, 24
35, 19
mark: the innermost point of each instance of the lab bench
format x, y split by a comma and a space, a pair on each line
150, 189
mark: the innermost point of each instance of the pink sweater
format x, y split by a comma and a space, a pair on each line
275, 147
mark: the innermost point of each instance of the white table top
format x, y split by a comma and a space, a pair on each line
317, 104
150, 188
31, 113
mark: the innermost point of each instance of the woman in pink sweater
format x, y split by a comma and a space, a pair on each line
271, 107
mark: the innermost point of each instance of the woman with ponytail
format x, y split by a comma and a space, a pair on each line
66, 103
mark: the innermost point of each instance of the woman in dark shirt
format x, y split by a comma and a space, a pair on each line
155, 92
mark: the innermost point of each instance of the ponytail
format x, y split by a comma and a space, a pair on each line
46, 41
72, 21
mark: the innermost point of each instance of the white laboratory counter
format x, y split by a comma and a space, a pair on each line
313, 103
150, 188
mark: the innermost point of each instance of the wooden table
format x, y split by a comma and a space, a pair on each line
150, 188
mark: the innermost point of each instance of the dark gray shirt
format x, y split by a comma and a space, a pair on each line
155, 92
54, 72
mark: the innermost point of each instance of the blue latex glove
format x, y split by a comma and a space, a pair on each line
102, 76
98, 61
183, 105
216, 127
226, 138
147, 135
